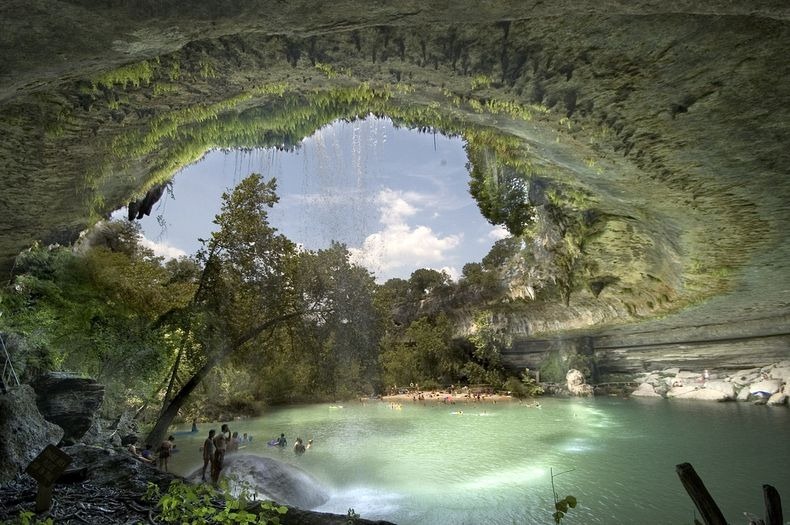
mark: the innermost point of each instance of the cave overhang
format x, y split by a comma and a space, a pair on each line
619, 112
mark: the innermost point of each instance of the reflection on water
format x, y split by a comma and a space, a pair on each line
441, 464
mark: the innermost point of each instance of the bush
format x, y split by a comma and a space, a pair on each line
183, 503
527, 386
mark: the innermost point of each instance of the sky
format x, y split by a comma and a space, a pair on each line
397, 198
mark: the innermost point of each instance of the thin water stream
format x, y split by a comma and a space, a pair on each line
490, 463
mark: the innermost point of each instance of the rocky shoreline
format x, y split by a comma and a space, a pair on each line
762, 386
106, 486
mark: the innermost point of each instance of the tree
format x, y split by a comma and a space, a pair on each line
94, 309
501, 192
489, 341
426, 281
424, 354
247, 286
340, 340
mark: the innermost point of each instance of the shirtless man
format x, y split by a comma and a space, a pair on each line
165, 449
208, 452
220, 445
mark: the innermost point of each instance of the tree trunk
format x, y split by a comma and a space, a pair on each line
170, 411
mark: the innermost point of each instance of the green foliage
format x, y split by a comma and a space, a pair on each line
489, 340
330, 72
527, 386
29, 518
228, 504
137, 74
206, 68
162, 88
553, 368
94, 312
501, 192
481, 81
352, 516
561, 508
424, 281
424, 353
582, 363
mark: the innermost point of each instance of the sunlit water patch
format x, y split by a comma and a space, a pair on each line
485, 463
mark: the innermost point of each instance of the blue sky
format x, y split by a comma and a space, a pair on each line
397, 198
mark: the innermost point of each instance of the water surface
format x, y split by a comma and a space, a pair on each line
491, 463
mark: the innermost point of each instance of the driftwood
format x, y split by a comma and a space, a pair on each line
773, 506
702, 499
707, 507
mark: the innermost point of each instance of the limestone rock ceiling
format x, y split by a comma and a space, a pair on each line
668, 121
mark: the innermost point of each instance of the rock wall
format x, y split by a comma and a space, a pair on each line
69, 401
720, 348
626, 107
23, 430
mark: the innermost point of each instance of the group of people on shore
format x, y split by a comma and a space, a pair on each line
147, 455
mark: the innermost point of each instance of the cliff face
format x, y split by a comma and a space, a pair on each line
667, 123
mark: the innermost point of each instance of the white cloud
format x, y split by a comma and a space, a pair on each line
452, 271
499, 233
394, 207
400, 245
162, 249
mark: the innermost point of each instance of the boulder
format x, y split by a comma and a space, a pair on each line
743, 394
768, 386
781, 373
744, 377
703, 394
576, 385
688, 376
728, 389
69, 401
24, 431
277, 480
779, 398
117, 469
645, 390
670, 372
677, 391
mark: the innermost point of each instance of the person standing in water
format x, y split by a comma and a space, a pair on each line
220, 445
208, 453
165, 449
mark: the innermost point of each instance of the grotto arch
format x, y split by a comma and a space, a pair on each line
666, 124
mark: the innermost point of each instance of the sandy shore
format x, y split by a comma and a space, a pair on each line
444, 397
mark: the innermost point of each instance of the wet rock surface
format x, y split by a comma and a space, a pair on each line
276, 480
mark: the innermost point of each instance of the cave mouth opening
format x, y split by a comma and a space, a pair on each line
397, 196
